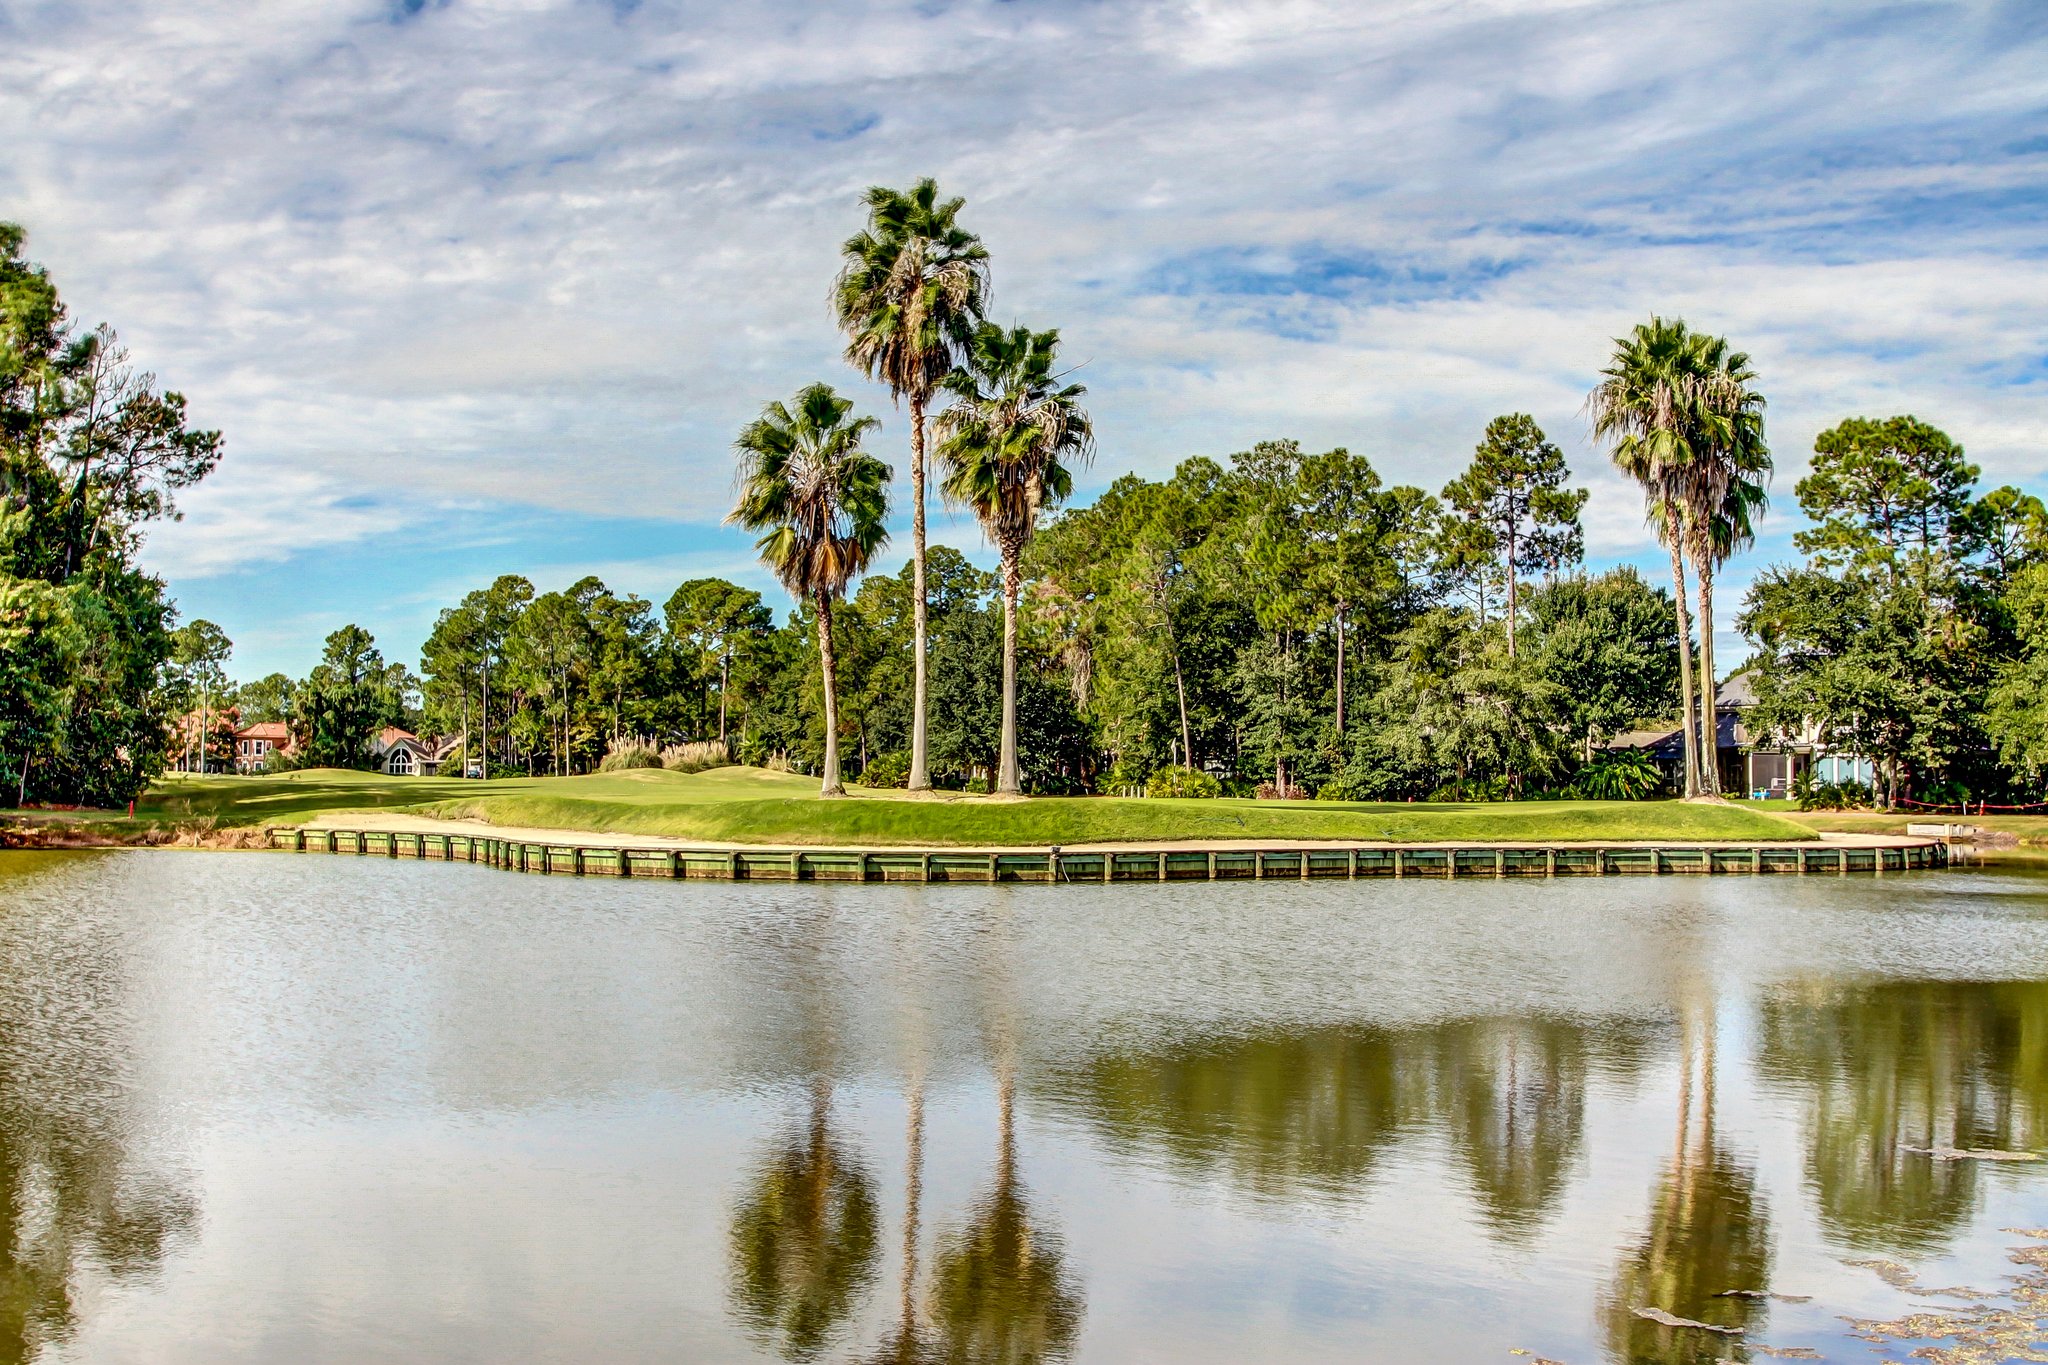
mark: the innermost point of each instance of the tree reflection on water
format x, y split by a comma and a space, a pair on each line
1709, 1232
1308, 1113
1001, 1291
74, 1201
1893, 1066
805, 1238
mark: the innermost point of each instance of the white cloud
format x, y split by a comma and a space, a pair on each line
549, 256
242, 516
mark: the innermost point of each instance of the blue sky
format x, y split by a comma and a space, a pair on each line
476, 288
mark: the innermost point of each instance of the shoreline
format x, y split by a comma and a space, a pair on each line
380, 822
514, 850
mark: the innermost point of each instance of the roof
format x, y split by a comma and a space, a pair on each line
391, 735
1738, 690
274, 730
1660, 738
1729, 733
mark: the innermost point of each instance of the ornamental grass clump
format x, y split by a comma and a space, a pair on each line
696, 756
631, 751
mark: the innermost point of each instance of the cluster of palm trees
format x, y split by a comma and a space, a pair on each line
1681, 415
912, 297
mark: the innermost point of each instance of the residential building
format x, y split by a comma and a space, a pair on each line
1746, 766
255, 743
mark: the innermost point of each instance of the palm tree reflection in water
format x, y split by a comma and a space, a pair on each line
1001, 1293
805, 1240
1709, 1232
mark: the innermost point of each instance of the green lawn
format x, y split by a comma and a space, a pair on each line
753, 806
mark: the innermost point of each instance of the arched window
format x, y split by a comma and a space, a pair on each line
401, 762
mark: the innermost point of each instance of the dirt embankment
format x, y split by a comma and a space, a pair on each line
58, 833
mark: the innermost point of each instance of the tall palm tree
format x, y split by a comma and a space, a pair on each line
1722, 493
821, 503
911, 287
1003, 440
1647, 407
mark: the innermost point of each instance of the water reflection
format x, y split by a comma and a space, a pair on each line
1888, 1067
1709, 1232
805, 1238
647, 1122
1308, 1113
73, 1199
1001, 1291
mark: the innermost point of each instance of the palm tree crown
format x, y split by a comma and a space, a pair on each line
1011, 426
911, 286
820, 500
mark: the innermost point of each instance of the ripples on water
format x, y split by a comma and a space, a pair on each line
262, 1108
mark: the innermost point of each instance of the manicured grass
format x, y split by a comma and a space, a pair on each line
754, 806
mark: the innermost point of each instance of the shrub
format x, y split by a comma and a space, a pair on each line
887, 770
1268, 791
1473, 789
630, 752
1629, 775
1128, 776
976, 786
778, 762
696, 756
1814, 795
1174, 780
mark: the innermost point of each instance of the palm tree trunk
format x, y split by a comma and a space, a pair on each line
913, 1193
1689, 728
1513, 595
920, 776
830, 669
1008, 780
1340, 670
1180, 688
1710, 720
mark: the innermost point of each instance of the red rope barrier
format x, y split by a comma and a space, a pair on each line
1970, 808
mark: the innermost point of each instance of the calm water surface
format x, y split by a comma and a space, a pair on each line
276, 1109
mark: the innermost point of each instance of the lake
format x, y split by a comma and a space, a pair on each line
265, 1108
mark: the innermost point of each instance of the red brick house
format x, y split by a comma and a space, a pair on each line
255, 743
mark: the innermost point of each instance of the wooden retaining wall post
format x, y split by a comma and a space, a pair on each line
1400, 869
1550, 862
1304, 864
1354, 865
